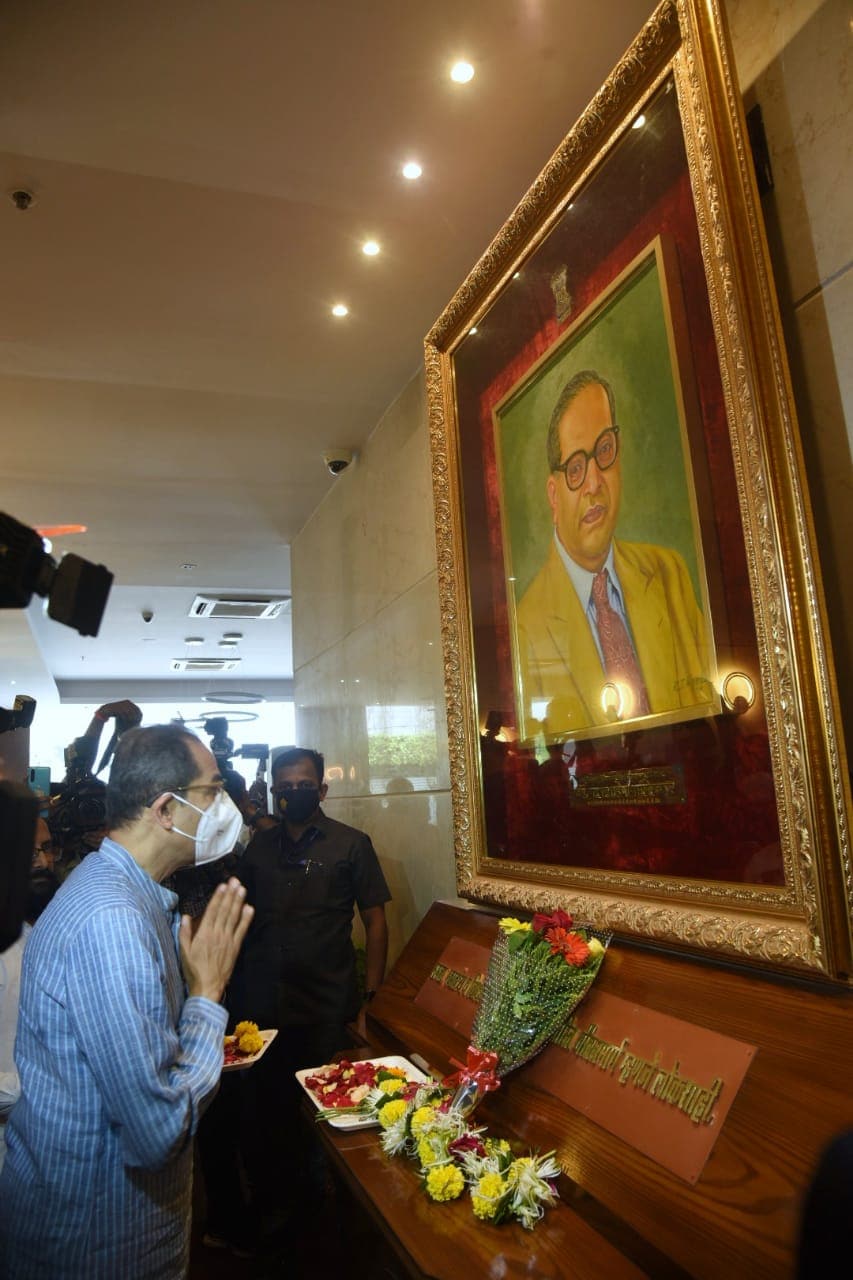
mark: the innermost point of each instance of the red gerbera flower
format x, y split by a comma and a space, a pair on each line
570, 946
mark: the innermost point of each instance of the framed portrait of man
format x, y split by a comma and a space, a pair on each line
641, 706
608, 593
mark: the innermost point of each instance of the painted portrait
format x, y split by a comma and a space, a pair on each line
610, 615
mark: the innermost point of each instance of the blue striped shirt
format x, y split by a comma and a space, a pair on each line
116, 1067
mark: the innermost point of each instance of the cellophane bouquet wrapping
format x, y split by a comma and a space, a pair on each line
539, 971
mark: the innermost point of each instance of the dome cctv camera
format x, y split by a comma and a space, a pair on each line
337, 460
147, 615
22, 199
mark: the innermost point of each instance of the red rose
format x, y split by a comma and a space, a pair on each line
557, 920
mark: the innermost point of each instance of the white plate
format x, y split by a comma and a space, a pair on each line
361, 1122
250, 1059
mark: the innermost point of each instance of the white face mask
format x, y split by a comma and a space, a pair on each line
218, 828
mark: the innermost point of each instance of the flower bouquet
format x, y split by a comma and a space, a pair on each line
418, 1120
538, 974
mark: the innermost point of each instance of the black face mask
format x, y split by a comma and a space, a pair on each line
298, 806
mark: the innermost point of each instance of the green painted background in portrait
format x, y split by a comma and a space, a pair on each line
626, 342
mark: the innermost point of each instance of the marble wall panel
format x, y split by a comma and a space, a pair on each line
794, 60
807, 105
413, 837
383, 681
372, 536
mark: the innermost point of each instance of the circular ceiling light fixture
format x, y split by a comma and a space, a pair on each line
193, 641
234, 699
461, 72
340, 310
370, 248
412, 170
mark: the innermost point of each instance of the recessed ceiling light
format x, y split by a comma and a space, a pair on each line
228, 644
340, 310
639, 122
193, 640
412, 170
462, 72
370, 248
232, 635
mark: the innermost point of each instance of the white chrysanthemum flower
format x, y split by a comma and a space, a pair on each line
532, 1190
395, 1137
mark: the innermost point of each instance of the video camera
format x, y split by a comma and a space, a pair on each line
223, 749
76, 589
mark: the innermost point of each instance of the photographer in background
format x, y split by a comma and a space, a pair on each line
77, 814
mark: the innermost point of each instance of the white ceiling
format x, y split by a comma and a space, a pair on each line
205, 173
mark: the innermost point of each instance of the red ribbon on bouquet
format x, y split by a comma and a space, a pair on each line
480, 1068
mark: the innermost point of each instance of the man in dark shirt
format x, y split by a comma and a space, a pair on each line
298, 972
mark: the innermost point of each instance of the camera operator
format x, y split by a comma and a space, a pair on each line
78, 813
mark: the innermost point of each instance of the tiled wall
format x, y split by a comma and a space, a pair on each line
367, 659
366, 624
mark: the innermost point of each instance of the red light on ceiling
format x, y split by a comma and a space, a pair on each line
60, 530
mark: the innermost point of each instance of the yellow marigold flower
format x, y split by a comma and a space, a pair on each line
392, 1086
392, 1112
250, 1042
497, 1147
243, 1027
487, 1195
445, 1182
426, 1153
596, 948
420, 1119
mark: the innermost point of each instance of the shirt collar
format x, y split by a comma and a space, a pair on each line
158, 893
581, 578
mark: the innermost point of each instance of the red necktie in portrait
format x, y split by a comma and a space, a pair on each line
620, 660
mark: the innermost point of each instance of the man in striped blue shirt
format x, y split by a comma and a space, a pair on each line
120, 1031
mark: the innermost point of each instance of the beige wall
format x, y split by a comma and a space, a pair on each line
366, 625
366, 636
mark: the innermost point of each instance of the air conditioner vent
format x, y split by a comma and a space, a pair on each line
205, 665
233, 607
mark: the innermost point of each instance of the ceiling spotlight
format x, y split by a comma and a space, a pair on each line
228, 644
340, 310
370, 248
412, 170
639, 122
232, 635
193, 641
462, 72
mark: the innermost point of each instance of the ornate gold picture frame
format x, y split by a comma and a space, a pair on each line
716, 824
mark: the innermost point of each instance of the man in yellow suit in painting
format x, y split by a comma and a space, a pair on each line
607, 630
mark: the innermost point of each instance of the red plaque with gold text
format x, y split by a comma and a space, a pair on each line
659, 1083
